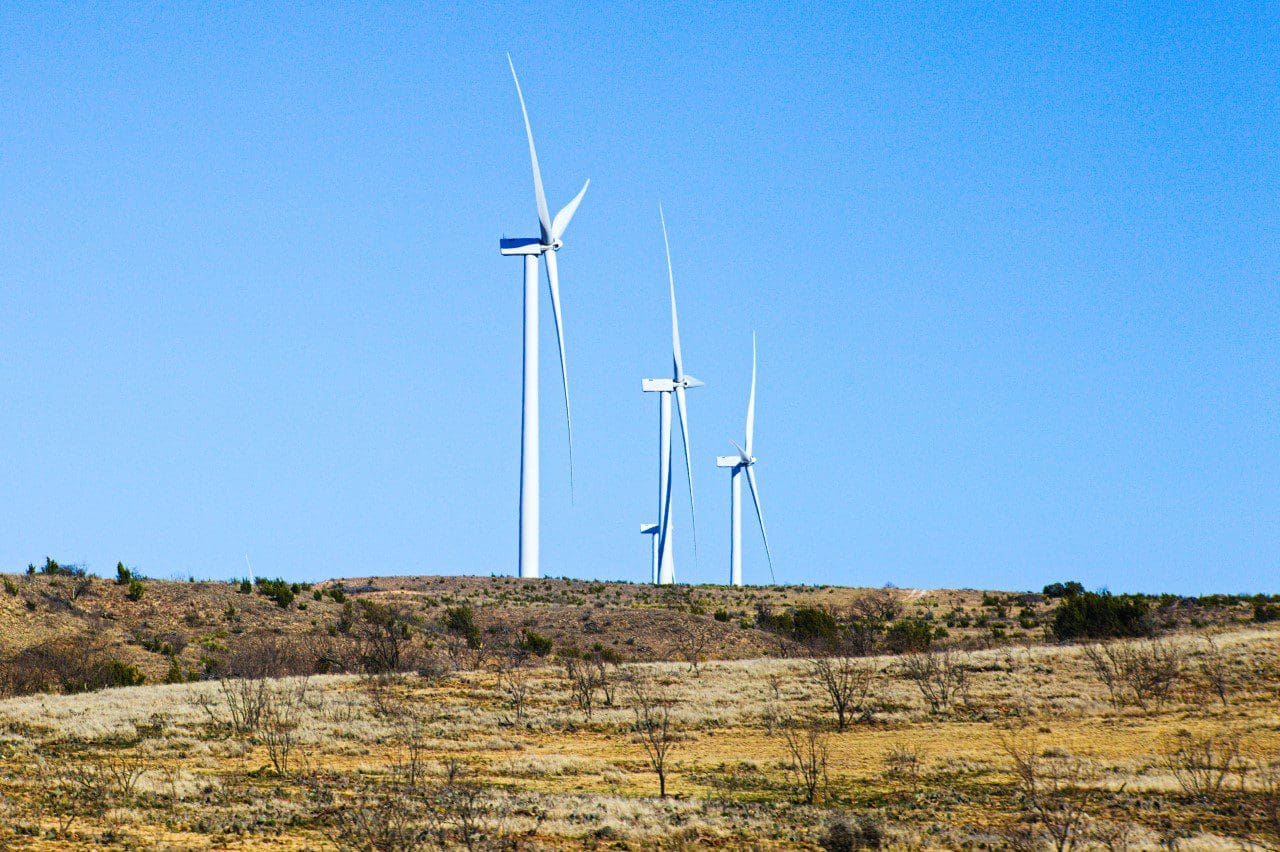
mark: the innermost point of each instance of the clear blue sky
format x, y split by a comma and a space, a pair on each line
1014, 274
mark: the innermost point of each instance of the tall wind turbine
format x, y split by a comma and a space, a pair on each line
744, 462
543, 246
678, 384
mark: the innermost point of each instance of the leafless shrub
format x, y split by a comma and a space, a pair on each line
109, 779
882, 605
384, 692
942, 676
693, 636
244, 700
1052, 786
847, 684
583, 679
807, 747
268, 655
1215, 670
1201, 764
513, 683
281, 712
904, 762
606, 679
1137, 672
653, 726
1268, 784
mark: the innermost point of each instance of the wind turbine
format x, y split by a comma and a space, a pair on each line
744, 462
678, 384
545, 246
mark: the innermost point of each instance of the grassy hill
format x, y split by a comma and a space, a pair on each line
492, 713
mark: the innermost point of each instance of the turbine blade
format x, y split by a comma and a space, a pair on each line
543, 216
675, 323
755, 497
688, 467
562, 218
742, 454
751, 401
553, 280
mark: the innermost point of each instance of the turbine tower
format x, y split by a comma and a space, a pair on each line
678, 384
543, 246
744, 462
651, 530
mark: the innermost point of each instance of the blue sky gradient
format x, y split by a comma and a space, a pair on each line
1014, 274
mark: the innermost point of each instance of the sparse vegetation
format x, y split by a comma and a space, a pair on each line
413, 738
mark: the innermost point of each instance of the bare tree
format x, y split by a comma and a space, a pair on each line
1052, 787
582, 680
942, 676
281, 714
513, 683
1201, 764
847, 684
882, 605
1215, 669
807, 746
694, 636
1137, 672
653, 726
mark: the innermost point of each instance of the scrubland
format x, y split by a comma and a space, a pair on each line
485, 739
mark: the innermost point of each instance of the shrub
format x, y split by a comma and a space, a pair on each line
1063, 590
123, 574
908, 635
246, 588
535, 644
135, 590
277, 590
461, 620
1093, 615
52, 567
1266, 612
10, 586
846, 834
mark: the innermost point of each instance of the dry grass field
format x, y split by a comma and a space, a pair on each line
986, 740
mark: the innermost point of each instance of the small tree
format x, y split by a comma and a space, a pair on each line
694, 636
847, 684
1202, 764
653, 727
941, 676
1052, 788
1215, 669
807, 746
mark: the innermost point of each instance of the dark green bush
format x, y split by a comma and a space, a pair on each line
277, 590
1093, 615
535, 644
460, 620
1063, 590
123, 574
907, 635
1265, 612
135, 590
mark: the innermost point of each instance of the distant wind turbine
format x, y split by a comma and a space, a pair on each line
744, 462
545, 246
678, 383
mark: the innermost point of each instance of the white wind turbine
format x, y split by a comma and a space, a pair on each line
744, 461
678, 383
545, 246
